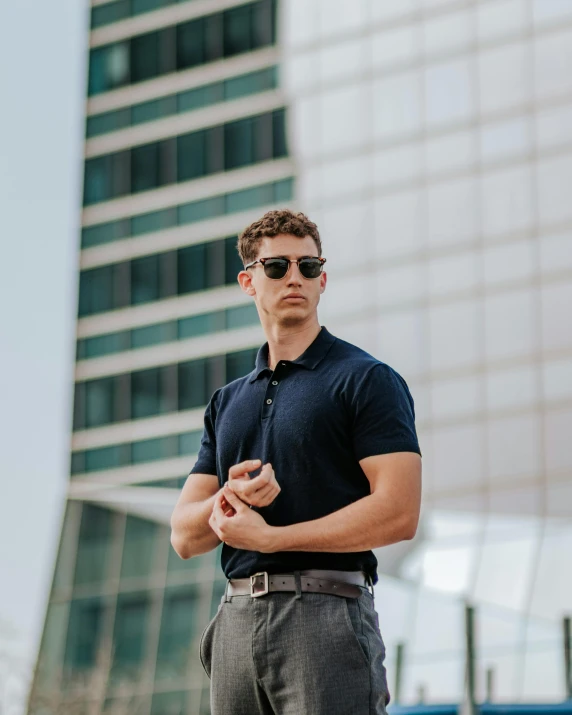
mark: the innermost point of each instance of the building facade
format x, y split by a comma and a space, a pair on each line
185, 145
431, 140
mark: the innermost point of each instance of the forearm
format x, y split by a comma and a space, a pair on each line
366, 524
191, 534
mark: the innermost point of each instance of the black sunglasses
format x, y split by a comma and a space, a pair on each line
277, 268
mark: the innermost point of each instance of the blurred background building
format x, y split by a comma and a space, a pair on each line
431, 140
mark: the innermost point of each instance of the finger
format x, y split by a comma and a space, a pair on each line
239, 470
266, 496
233, 500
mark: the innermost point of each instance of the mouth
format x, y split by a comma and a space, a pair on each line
294, 298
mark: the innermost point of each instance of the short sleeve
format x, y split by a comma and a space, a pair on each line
206, 461
383, 414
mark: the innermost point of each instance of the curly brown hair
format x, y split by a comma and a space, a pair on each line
272, 224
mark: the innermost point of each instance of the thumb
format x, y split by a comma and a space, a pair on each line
233, 500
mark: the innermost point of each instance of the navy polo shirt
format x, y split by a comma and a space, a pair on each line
313, 419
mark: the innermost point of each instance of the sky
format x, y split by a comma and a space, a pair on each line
42, 78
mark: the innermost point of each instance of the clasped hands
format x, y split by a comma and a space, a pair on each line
232, 519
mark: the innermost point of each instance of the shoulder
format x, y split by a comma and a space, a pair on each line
229, 391
365, 373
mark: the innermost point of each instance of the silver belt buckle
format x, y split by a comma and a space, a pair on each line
256, 588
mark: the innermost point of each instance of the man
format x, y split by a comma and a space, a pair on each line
330, 430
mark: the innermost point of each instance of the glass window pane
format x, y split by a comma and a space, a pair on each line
99, 402
104, 233
146, 393
192, 384
241, 316
155, 109
106, 344
145, 56
250, 83
240, 363
96, 290
145, 167
148, 450
190, 44
145, 284
201, 210
249, 199
283, 190
116, 455
108, 122
200, 97
196, 325
97, 180
108, 13
279, 133
153, 334
139, 547
238, 143
237, 30
504, 77
191, 156
189, 443
129, 637
153, 221
263, 22
233, 264
84, 633
448, 92
178, 628
191, 268
94, 545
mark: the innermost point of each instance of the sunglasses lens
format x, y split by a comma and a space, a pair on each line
276, 268
310, 267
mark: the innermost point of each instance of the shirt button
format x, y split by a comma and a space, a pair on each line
274, 382
269, 401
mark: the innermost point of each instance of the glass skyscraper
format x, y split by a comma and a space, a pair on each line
431, 141
185, 145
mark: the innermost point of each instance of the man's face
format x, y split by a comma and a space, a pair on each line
291, 300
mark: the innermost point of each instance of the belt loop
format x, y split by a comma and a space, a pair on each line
225, 598
298, 582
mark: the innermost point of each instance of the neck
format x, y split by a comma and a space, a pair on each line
289, 342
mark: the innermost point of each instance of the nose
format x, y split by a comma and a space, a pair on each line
294, 277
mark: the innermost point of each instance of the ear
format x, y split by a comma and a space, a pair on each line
323, 281
245, 281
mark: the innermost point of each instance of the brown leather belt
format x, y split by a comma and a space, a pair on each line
336, 583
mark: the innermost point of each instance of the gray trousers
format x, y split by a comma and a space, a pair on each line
289, 654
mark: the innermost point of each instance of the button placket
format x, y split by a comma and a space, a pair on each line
270, 394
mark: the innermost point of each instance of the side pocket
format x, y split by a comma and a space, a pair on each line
353, 620
206, 644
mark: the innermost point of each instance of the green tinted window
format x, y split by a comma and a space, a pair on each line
94, 544
106, 458
242, 316
153, 334
190, 442
179, 625
203, 324
153, 221
130, 637
139, 546
148, 450
85, 626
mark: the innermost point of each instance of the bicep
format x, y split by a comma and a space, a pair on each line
397, 475
198, 487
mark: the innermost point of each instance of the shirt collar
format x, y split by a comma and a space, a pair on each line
310, 358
